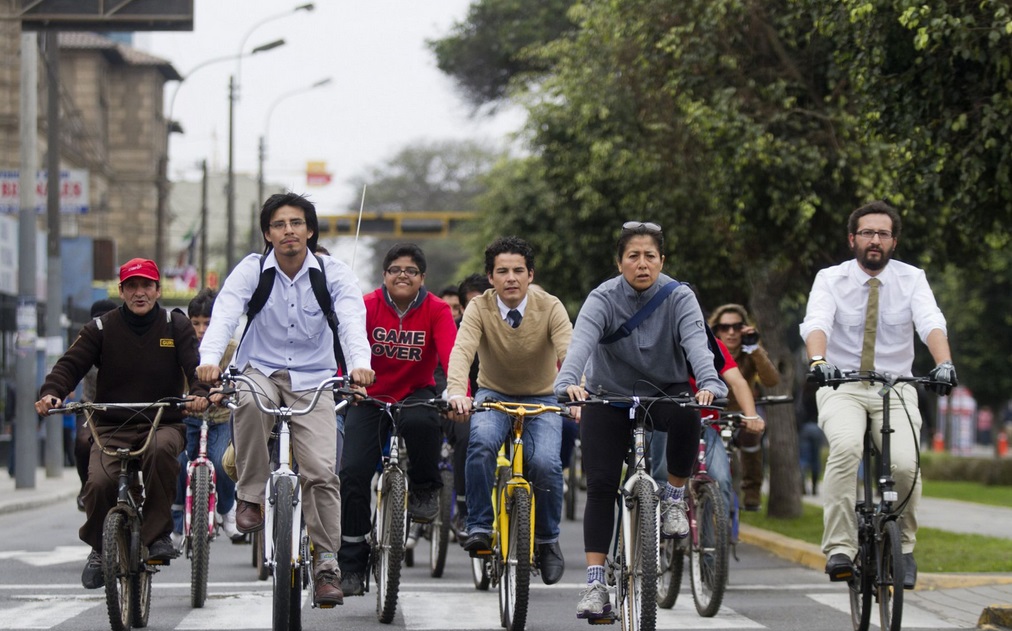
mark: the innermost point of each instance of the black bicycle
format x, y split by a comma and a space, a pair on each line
878, 567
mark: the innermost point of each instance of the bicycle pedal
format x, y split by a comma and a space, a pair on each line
608, 618
159, 562
480, 554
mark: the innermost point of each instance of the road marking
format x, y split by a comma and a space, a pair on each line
44, 612
248, 610
56, 556
449, 610
913, 617
684, 616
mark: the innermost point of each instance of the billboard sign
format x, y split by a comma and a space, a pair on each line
73, 191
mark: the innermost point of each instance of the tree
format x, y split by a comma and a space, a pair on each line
490, 48
432, 176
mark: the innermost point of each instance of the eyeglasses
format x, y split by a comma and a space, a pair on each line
294, 223
410, 272
724, 328
633, 225
884, 235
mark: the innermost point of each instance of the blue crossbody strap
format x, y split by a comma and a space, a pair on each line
641, 315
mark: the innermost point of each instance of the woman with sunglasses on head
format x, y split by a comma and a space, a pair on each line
653, 359
731, 326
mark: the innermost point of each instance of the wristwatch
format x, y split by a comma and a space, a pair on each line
815, 359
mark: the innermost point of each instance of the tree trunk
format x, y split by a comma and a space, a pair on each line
781, 427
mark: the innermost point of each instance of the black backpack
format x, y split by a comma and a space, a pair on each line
318, 279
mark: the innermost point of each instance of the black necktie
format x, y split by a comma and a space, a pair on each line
514, 317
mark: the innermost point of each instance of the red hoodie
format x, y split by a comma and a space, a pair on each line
405, 349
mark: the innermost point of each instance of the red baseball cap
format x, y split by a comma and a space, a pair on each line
139, 267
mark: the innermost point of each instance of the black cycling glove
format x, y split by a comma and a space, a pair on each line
822, 372
944, 375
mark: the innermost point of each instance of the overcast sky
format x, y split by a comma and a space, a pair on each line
385, 89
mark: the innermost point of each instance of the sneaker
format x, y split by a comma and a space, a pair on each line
177, 539
423, 504
92, 577
162, 549
674, 523
327, 592
352, 584
416, 532
594, 602
228, 525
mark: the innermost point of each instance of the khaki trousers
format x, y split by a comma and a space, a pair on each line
842, 417
314, 441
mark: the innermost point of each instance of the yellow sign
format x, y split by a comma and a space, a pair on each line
316, 173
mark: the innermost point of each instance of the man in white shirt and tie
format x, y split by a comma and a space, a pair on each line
862, 315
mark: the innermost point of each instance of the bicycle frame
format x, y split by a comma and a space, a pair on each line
200, 461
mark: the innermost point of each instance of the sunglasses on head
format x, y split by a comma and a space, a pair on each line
648, 225
724, 328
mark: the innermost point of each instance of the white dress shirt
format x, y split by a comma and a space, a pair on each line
837, 304
290, 332
504, 310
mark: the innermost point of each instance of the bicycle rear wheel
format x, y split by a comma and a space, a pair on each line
669, 580
860, 585
515, 583
440, 528
116, 570
890, 581
200, 539
388, 541
639, 576
708, 552
140, 607
284, 572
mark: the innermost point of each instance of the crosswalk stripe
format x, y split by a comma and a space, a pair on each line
251, 610
684, 616
428, 610
44, 612
913, 617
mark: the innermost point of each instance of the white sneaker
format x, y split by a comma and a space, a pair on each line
594, 601
177, 540
674, 522
227, 522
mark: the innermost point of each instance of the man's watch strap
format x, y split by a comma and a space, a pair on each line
816, 359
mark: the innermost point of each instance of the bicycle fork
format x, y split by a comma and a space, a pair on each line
283, 473
212, 495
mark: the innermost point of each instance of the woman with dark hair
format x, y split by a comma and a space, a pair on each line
653, 360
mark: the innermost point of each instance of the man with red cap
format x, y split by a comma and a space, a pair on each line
146, 353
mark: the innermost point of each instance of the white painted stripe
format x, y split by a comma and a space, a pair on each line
450, 610
248, 610
684, 616
913, 617
44, 612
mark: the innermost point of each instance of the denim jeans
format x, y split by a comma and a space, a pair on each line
542, 445
218, 435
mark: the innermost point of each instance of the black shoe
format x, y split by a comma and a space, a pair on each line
840, 567
423, 505
910, 571
477, 542
162, 549
352, 584
92, 577
548, 557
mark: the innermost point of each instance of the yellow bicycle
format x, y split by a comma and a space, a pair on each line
511, 560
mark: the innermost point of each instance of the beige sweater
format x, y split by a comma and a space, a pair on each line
518, 362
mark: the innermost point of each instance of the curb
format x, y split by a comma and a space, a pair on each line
996, 618
13, 504
811, 555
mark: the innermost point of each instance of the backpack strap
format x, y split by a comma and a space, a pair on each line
641, 315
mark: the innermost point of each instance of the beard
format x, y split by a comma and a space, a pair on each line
876, 263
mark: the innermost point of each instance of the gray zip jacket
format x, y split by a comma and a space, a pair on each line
658, 352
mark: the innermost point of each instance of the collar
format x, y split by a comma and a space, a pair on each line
503, 309
415, 302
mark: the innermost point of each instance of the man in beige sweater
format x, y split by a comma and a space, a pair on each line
521, 335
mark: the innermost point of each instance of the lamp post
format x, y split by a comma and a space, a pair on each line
233, 96
267, 128
171, 126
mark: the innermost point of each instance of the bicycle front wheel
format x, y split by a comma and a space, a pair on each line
709, 548
440, 534
669, 580
639, 576
140, 592
890, 580
116, 570
200, 539
388, 538
284, 571
515, 583
860, 584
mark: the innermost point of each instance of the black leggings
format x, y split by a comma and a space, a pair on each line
604, 436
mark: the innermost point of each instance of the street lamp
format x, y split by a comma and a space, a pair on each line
171, 126
266, 134
233, 96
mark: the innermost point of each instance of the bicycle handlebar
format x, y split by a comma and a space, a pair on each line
357, 397
88, 406
621, 400
329, 383
515, 408
884, 378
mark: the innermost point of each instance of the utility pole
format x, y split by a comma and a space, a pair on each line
54, 286
230, 187
203, 223
26, 442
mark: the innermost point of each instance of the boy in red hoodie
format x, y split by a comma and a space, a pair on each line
409, 330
